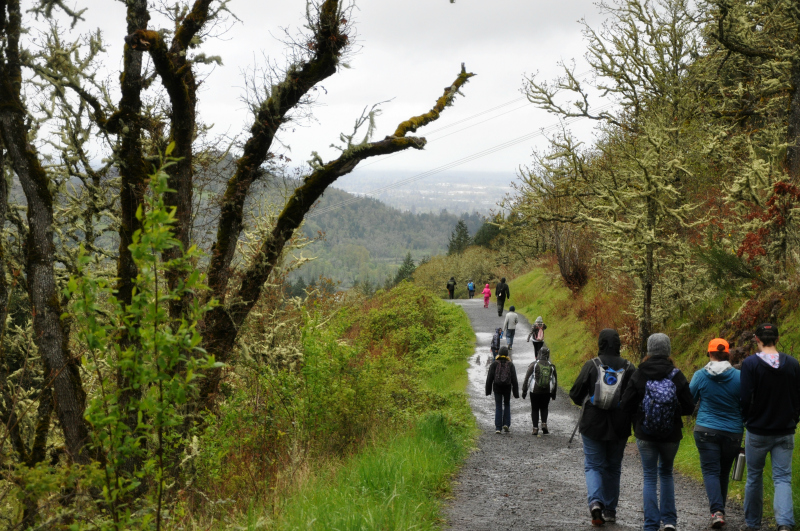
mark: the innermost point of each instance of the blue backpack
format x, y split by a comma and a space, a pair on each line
660, 405
471, 286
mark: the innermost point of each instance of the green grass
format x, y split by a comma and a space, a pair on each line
397, 482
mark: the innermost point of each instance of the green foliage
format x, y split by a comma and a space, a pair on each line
459, 239
476, 263
488, 231
156, 368
406, 270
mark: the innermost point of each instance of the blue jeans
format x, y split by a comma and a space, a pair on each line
510, 336
502, 412
602, 465
717, 452
657, 459
756, 449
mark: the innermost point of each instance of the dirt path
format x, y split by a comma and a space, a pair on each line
517, 481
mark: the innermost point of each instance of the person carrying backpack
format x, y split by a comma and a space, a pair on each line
657, 397
471, 288
718, 429
502, 293
495, 344
502, 380
451, 286
537, 334
770, 399
510, 326
542, 381
605, 426
487, 294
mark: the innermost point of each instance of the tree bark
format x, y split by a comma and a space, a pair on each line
793, 126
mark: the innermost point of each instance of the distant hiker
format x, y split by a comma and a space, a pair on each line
502, 293
487, 294
471, 288
502, 380
542, 381
657, 396
495, 345
770, 398
537, 334
605, 426
510, 326
451, 286
718, 429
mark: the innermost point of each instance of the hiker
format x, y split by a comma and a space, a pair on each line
537, 333
770, 399
495, 345
657, 396
471, 288
718, 428
487, 294
502, 380
605, 426
510, 326
542, 380
502, 293
451, 286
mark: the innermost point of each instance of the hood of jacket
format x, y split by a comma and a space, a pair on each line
656, 368
544, 353
539, 320
608, 343
719, 371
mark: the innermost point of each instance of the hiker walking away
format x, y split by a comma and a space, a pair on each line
542, 381
770, 398
487, 294
510, 326
605, 426
502, 381
471, 288
451, 286
718, 429
502, 293
657, 396
537, 334
495, 345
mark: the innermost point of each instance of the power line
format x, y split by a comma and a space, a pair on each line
459, 162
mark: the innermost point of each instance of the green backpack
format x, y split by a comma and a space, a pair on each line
545, 375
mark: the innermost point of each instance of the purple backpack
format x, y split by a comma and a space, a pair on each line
660, 406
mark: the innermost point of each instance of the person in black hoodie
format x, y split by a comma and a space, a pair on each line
451, 286
770, 399
502, 380
502, 293
657, 377
604, 431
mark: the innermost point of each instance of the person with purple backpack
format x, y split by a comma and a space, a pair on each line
657, 397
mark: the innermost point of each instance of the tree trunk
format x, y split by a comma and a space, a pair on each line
793, 129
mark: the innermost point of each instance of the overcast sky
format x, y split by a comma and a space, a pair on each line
409, 51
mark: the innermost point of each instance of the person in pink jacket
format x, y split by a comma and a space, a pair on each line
487, 294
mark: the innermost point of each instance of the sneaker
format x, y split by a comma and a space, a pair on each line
669, 527
609, 517
717, 520
535, 430
544, 428
505, 429
597, 514
784, 528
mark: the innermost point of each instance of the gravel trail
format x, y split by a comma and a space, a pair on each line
518, 481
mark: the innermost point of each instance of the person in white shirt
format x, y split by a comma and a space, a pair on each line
510, 326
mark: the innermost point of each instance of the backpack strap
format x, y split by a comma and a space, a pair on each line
673, 373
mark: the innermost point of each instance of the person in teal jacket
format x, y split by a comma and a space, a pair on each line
718, 430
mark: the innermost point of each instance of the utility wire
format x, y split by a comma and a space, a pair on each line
459, 162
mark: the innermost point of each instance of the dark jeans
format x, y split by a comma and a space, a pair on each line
501, 301
657, 460
502, 412
510, 336
450, 291
537, 345
471, 293
539, 403
717, 452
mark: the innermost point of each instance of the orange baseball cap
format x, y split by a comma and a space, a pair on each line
718, 345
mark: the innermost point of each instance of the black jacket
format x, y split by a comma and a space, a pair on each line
498, 388
657, 369
502, 291
770, 397
602, 424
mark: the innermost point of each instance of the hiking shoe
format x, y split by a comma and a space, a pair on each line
505, 429
609, 517
597, 514
717, 520
669, 527
497, 432
535, 430
544, 428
